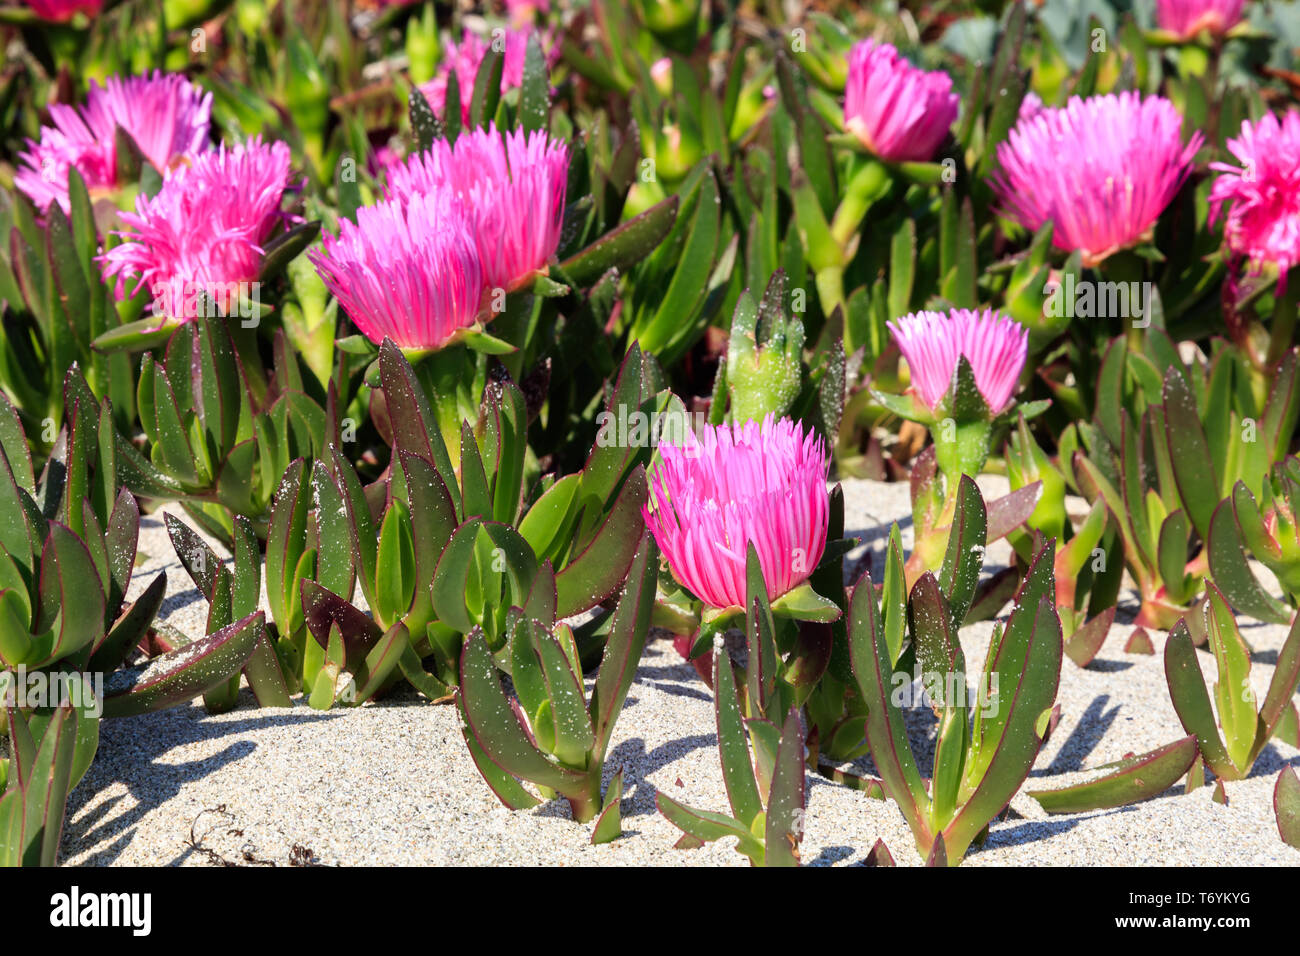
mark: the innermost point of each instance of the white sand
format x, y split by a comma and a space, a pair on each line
391, 783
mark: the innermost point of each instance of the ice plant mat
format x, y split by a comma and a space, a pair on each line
392, 783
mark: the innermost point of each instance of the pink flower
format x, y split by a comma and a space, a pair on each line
205, 229
513, 187
899, 112
164, 113
61, 11
713, 495
1101, 169
406, 270
1030, 106
933, 342
466, 57
1262, 197
382, 159
524, 12
1186, 18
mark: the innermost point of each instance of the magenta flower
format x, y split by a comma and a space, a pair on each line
1102, 170
524, 12
466, 57
1262, 197
382, 159
933, 342
164, 113
406, 270
61, 11
1030, 106
205, 230
713, 495
1186, 18
899, 112
513, 187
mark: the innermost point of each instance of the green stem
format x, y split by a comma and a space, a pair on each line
830, 290
447, 377
586, 806
1282, 329
1126, 266
868, 182
246, 346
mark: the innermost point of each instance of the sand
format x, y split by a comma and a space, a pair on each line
391, 782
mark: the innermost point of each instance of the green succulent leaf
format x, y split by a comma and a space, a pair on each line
733, 746
624, 246
1236, 701
804, 604
1189, 453
890, 750
602, 560
785, 804
496, 728
550, 520
129, 629
1227, 558
706, 826
71, 599
381, 663
964, 558
628, 633
609, 825
1286, 806
186, 672
1137, 779
1191, 700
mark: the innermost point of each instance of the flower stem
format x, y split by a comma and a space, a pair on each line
246, 346
868, 182
830, 290
1282, 329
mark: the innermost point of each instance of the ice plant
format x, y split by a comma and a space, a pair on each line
164, 113
1259, 201
934, 343
1245, 724
464, 58
965, 366
408, 271
563, 738
899, 112
1186, 18
483, 544
988, 735
512, 186
66, 575
205, 231
1030, 106
1100, 169
894, 113
764, 370
1268, 529
760, 483
764, 781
